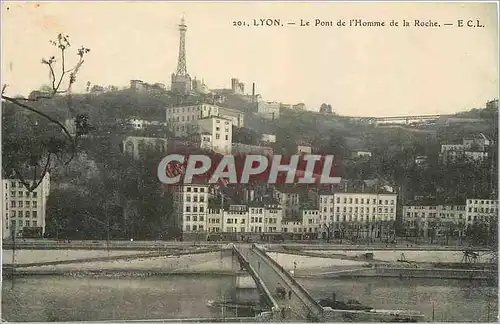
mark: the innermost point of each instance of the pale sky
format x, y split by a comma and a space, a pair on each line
360, 71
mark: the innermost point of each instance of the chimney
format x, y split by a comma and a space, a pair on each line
253, 92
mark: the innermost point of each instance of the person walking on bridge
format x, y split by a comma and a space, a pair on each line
290, 294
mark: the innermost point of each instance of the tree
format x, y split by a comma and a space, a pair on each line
432, 228
23, 150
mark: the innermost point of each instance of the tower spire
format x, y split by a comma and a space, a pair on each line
181, 64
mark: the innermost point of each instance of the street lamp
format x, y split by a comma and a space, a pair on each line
13, 229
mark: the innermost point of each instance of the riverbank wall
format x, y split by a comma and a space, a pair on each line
406, 273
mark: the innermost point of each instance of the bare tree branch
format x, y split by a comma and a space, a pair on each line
53, 147
52, 120
35, 184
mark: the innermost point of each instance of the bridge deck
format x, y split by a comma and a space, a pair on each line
300, 304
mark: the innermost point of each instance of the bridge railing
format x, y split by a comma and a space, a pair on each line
257, 279
287, 274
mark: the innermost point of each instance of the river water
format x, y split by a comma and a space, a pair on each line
53, 298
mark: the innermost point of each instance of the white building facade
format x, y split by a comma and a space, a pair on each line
420, 218
481, 210
23, 210
269, 110
181, 120
191, 207
217, 133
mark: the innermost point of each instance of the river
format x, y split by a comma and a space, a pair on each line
53, 298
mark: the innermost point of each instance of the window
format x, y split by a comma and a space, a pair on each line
13, 193
20, 203
217, 136
34, 213
27, 223
188, 209
34, 204
227, 137
12, 204
20, 193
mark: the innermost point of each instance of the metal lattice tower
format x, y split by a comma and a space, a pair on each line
181, 64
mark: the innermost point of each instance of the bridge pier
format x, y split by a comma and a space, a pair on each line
244, 282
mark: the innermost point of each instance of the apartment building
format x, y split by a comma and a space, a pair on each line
310, 221
421, 217
217, 134
236, 219
480, 210
292, 226
24, 212
181, 120
364, 207
191, 207
289, 199
474, 147
273, 217
366, 204
258, 217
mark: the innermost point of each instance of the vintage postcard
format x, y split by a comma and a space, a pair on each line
249, 161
